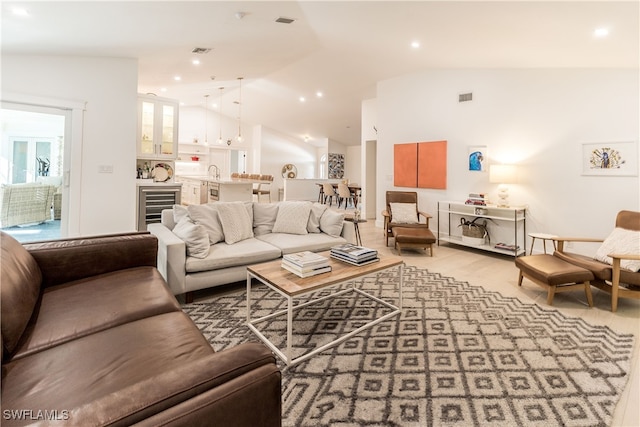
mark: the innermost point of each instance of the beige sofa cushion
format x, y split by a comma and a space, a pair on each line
221, 255
291, 243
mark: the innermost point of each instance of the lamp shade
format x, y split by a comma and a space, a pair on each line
502, 174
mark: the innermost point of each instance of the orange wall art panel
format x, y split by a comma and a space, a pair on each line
432, 165
405, 165
420, 164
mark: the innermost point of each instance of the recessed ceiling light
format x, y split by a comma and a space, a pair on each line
601, 32
163, 89
415, 44
302, 99
19, 11
195, 62
177, 78
319, 94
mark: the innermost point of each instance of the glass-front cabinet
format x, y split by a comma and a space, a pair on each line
157, 127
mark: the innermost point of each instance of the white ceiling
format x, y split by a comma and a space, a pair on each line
341, 48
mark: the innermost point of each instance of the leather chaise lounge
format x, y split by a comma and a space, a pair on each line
92, 336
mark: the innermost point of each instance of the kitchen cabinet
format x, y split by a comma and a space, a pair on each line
506, 226
157, 128
194, 191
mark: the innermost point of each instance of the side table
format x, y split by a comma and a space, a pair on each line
356, 229
544, 237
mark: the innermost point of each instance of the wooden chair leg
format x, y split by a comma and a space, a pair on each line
520, 276
587, 291
550, 294
615, 284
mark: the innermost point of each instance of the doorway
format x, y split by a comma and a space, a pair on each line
32, 153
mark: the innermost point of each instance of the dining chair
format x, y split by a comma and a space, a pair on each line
263, 187
344, 194
329, 193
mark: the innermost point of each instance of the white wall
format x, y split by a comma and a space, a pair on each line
106, 201
277, 149
537, 119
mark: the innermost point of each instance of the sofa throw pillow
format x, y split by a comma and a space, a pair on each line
404, 213
207, 216
620, 241
179, 212
317, 209
331, 222
292, 217
235, 220
264, 217
194, 236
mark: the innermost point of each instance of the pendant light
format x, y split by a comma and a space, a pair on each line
206, 101
220, 141
239, 138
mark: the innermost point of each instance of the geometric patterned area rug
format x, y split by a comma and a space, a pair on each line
458, 355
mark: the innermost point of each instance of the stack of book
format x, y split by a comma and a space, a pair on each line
476, 199
306, 264
356, 255
507, 247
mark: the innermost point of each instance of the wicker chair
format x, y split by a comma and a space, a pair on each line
25, 204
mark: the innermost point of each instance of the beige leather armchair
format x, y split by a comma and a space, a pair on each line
620, 283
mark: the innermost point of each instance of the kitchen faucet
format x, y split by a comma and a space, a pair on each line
217, 171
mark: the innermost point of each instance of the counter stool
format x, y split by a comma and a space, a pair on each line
406, 237
544, 237
555, 275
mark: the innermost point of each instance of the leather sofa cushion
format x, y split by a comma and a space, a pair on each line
21, 279
222, 255
96, 366
291, 243
94, 304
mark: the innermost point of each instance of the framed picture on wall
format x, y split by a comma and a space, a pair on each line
610, 158
477, 158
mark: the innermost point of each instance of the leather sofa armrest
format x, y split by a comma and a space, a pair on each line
65, 260
172, 257
241, 384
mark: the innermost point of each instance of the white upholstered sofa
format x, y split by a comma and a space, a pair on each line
202, 246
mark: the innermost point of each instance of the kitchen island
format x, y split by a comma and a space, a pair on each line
220, 189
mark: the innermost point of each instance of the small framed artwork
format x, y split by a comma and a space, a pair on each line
478, 158
610, 158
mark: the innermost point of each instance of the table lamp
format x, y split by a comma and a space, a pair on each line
503, 175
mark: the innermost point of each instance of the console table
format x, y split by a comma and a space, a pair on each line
505, 225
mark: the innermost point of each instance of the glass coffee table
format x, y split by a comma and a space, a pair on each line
290, 286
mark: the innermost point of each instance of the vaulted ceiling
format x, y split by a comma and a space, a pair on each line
338, 48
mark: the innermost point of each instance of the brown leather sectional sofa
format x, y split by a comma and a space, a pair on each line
92, 336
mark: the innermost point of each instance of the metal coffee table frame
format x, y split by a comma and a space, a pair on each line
342, 272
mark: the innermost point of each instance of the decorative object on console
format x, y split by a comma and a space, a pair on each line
503, 175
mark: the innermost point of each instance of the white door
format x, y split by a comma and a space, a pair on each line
33, 151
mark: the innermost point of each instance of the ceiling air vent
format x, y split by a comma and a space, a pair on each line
465, 97
283, 20
201, 50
